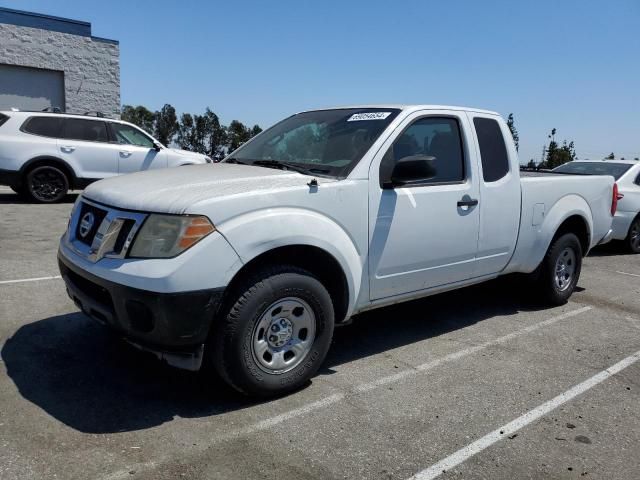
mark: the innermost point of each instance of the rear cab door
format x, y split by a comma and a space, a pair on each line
422, 236
86, 144
499, 190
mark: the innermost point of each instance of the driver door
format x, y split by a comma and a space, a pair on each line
137, 150
425, 234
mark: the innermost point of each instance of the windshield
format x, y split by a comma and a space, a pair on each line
616, 170
324, 142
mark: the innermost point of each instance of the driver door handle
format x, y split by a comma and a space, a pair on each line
125, 153
468, 203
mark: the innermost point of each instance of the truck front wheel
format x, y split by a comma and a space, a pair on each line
276, 332
560, 269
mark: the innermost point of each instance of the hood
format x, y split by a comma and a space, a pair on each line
187, 153
174, 190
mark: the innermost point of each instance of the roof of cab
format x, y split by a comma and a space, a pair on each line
407, 107
626, 162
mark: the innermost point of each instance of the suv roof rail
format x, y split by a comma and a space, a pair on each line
95, 113
52, 109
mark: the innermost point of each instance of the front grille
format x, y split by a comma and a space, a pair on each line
95, 219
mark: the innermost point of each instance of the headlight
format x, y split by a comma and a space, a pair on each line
165, 236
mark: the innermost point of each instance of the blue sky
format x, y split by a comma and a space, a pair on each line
572, 65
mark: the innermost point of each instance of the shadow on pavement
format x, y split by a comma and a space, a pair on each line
613, 248
88, 379
10, 198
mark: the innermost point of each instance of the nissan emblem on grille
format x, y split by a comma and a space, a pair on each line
86, 224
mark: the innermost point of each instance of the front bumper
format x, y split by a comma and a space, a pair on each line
174, 326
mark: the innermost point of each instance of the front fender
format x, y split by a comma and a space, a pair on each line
257, 232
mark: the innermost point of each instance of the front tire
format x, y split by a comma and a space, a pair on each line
633, 237
560, 269
275, 334
46, 184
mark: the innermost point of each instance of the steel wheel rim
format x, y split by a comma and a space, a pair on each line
284, 335
635, 236
47, 184
565, 269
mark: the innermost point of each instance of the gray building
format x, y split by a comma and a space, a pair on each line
50, 61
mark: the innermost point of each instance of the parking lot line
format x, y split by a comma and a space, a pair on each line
22, 280
467, 351
337, 397
479, 445
630, 274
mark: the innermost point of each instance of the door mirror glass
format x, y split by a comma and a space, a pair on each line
413, 169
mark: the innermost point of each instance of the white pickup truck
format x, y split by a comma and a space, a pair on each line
250, 263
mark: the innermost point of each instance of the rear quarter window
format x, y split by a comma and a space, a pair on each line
3, 118
43, 126
493, 151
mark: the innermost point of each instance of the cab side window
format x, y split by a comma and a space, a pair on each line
493, 151
435, 137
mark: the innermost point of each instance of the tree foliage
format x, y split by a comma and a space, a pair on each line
513, 130
197, 133
166, 124
140, 116
557, 155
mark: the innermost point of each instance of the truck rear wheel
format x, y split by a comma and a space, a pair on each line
560, 269
276, 333
46, 184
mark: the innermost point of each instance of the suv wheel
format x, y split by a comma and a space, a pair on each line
46, 184
276, 333
560, 269
633, 237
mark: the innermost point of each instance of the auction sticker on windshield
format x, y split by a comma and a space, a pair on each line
368, 116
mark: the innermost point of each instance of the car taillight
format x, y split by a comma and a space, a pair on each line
614, 199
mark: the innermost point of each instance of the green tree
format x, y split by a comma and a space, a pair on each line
237, 134
531, 164
611, 156
513, 130
140, 116
216, 135
185, 133
255, 130
166, 124
558, 155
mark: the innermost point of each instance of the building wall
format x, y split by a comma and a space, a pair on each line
91, 65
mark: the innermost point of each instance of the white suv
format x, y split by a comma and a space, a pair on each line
43, 155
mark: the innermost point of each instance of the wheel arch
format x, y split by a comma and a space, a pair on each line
314, 259
49, 160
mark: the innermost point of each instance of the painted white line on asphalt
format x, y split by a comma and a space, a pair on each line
479, 445
630, 274
467, 351
337, 397
22, 280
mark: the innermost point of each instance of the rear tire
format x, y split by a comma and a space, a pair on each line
633, 237
46, 184
275, 334
560, 269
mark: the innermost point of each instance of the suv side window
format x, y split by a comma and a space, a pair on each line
493, 151
43, 126
126, 135
437, 137
86, 130
637, 182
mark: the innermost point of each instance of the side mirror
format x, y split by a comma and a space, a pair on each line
410, 170
157, 146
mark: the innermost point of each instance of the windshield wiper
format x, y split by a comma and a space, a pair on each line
235, 160
289, 166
